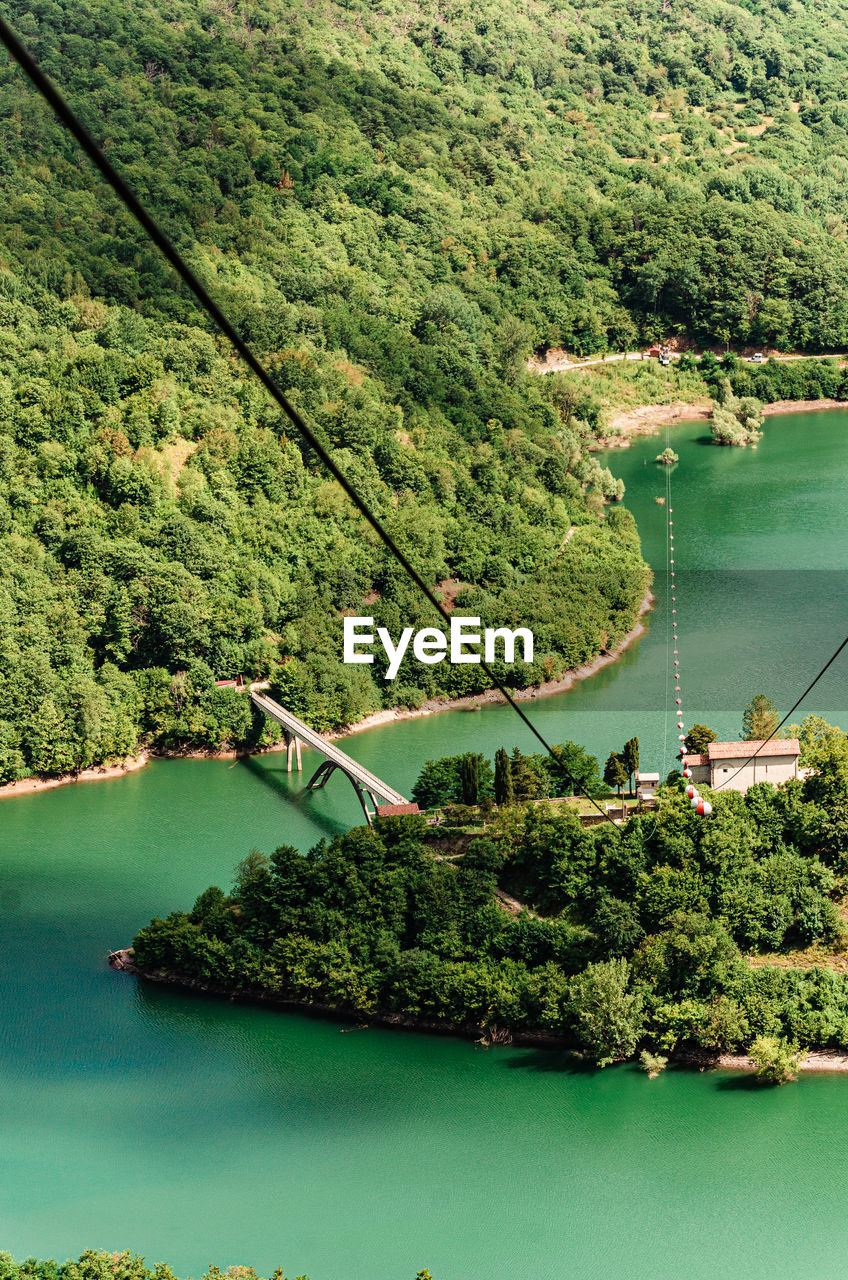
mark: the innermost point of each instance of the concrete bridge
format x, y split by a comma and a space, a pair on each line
366, 784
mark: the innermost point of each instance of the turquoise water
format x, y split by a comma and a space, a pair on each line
761, 551
195, 1130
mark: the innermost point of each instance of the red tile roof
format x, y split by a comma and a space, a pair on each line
395, 810
742, 750
689, 761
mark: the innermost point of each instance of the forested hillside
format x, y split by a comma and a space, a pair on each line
396, 205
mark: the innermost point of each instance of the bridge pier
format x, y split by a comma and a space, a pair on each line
366, 784
292, 745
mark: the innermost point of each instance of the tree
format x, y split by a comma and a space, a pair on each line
759, 719
469, 778
652, 1063
821, 743
724, 1025
698, 739
528, 782
616, 926
99, 1265
630, 757
824, 749
440, 782
579, 770
504, 792
606, 1018
736, 421
777, 1060
615, 772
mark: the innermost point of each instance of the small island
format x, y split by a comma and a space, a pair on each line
513, 911
736, 420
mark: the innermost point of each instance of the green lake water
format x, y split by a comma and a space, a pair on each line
194, 1130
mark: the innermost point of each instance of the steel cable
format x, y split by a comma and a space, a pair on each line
128, 197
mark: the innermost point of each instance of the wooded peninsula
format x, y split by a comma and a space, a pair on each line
669, 935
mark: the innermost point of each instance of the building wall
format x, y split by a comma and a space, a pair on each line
773, 769
700, 773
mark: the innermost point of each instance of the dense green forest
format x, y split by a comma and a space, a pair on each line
675, 933
397, 206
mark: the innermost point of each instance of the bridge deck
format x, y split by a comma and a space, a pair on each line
367, 780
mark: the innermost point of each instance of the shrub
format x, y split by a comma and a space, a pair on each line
777, 1060
653, 1063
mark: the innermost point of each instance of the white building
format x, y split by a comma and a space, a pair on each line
646, 784
777, 762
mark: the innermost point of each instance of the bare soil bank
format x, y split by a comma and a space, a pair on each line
101, 773
647, 419
801, 406
642, 420
97, 773
815, 1061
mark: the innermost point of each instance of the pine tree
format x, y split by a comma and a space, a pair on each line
469, 777
630, 756
759, 719
615, 772
504, 790
526, 783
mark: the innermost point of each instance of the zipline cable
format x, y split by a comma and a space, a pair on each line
795, 705
699, 804
66, 115
668, 541
790, 712
668, 632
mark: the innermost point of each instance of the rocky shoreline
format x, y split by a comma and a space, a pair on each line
122, 961
647, 419
97, 773
639, 420
801, 406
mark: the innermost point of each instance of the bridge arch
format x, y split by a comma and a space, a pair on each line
367, 785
